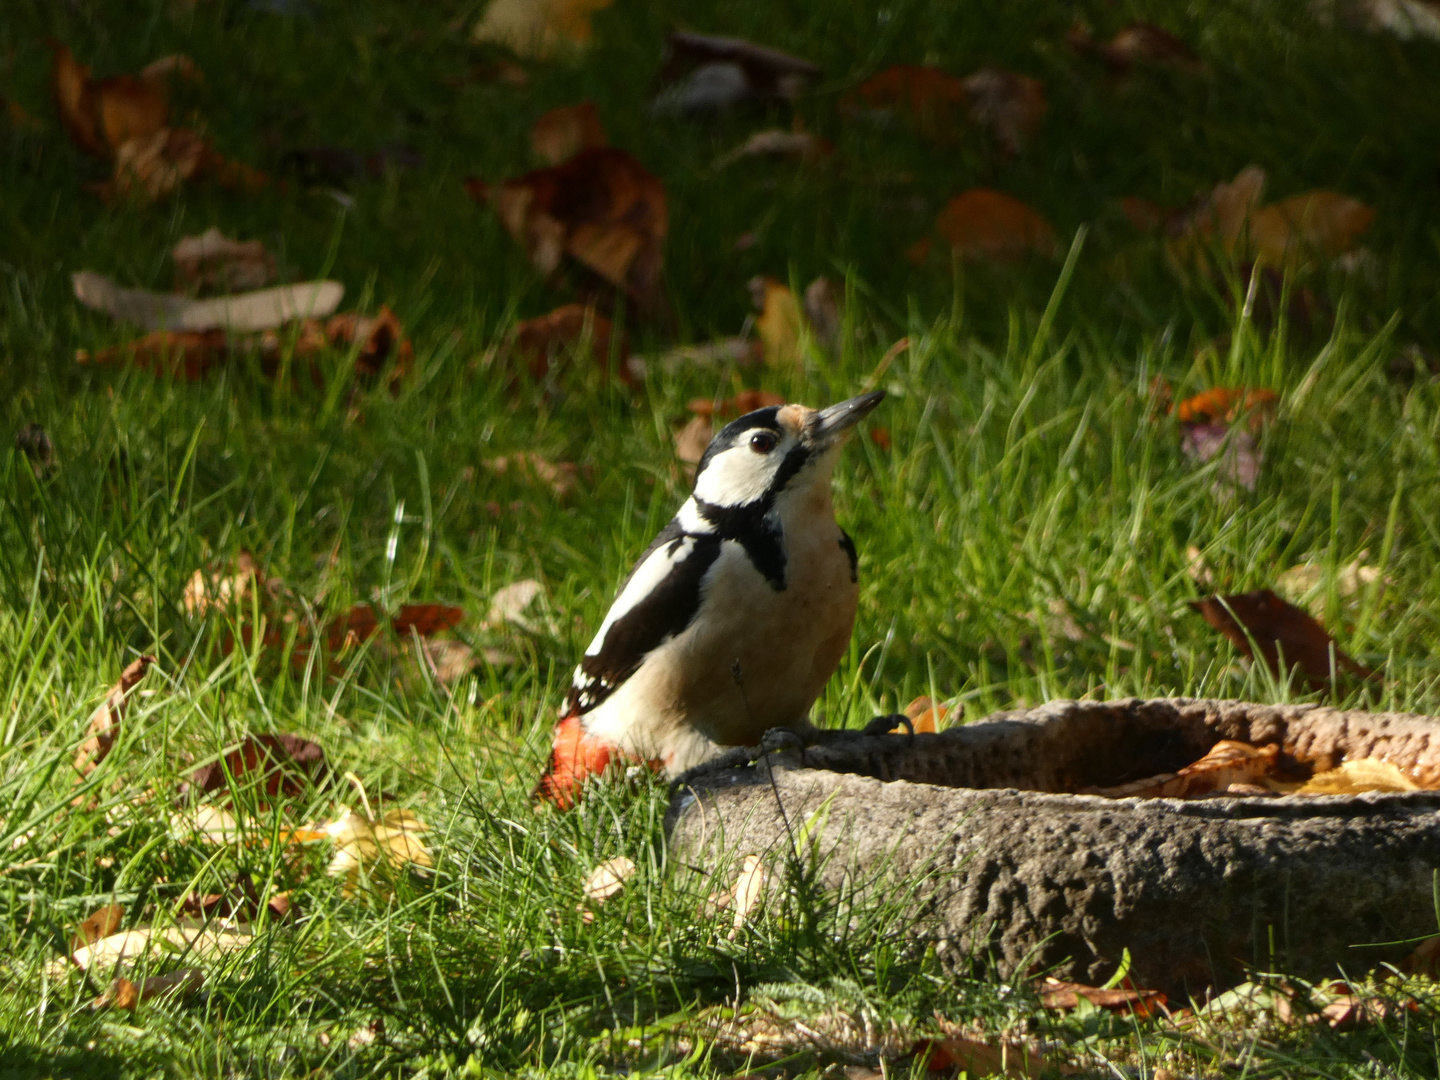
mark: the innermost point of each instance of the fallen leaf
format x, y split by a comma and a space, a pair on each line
189, 937
105, 720
183, 354
240, 901
1425, 960
703, 73
777, 142
380, 339
280, 765
124, 994
1126, 999
976, 1059
746, 401
1277, 627
102, 115
448, 660
987, 224
562, 133
561, 477
367, 848
1008, 105
1221, 217
825, 311
1308, 577
748, 890
260, 310
212, 262
1357, 776
153, 166
608, 878
1226, 765
933, 100
601, 208
1314, 225
509, 604
569, 329
99, 924
1240, 456
779, 324
538, 29
924, 715
219, 591
1228, 404
1138, 43
692, 439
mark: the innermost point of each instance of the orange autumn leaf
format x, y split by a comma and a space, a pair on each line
1125, 999
931, 99
988, 224
1227, 404
562, 133
101, 115
600, 208
925, 715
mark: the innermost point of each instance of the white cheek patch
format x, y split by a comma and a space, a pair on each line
738, 476
691, 520
650, 573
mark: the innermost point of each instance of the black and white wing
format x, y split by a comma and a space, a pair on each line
656, 602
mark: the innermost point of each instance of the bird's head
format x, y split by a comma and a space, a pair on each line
777, 452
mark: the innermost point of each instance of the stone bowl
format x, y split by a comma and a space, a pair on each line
1003, 866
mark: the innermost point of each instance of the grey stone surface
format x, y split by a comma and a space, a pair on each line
1003, 865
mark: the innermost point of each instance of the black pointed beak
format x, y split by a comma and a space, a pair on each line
830, 425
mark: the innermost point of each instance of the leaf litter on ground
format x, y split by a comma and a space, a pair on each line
701, 73
538, 29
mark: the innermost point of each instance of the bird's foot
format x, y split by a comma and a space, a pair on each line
884, 725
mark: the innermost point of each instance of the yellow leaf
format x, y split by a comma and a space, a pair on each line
779, 323
749, 888
1357, 777
538, 28
608, 878
364, 846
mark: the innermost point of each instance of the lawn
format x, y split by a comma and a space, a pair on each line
1032, 528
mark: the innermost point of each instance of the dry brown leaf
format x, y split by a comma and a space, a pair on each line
692, 439
1125, 999
1277, 627
105, 720
987, 224
1315, 225
1221, 217
1138, 43
124, 994
1227, 765
925, 715
448, 660
976, 1059
571, 328
779, 324
219, 590
608, 878
102, 115
367, 849
180, 354
748, 890
509, 604
601, 208
562, 133
538, 29
260, 310
381, 340
100, 924
825, 311
1009, 106
212, 262
154, 165
931, 99
561, 477
777, 142
1356, 777
281, 765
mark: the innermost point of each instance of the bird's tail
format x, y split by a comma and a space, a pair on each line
574, 756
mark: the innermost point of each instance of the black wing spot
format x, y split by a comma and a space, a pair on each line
848, 546
665, 612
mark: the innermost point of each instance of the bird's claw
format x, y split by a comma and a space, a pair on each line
884, 725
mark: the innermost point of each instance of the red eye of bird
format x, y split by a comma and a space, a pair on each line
762, 442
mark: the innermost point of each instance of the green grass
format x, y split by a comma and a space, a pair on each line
1028, 481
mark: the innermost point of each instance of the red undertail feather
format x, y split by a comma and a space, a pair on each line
574, 757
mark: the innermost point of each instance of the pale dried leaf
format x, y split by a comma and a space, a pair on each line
156, 164
105, 720
780, 322
776, 142
213, 261
748, 890
365, 848
608, 878
692, 439
1357, 777
260, 310
510, 602
538, 28
198, 939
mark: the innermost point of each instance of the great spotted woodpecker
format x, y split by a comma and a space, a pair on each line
735, 616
